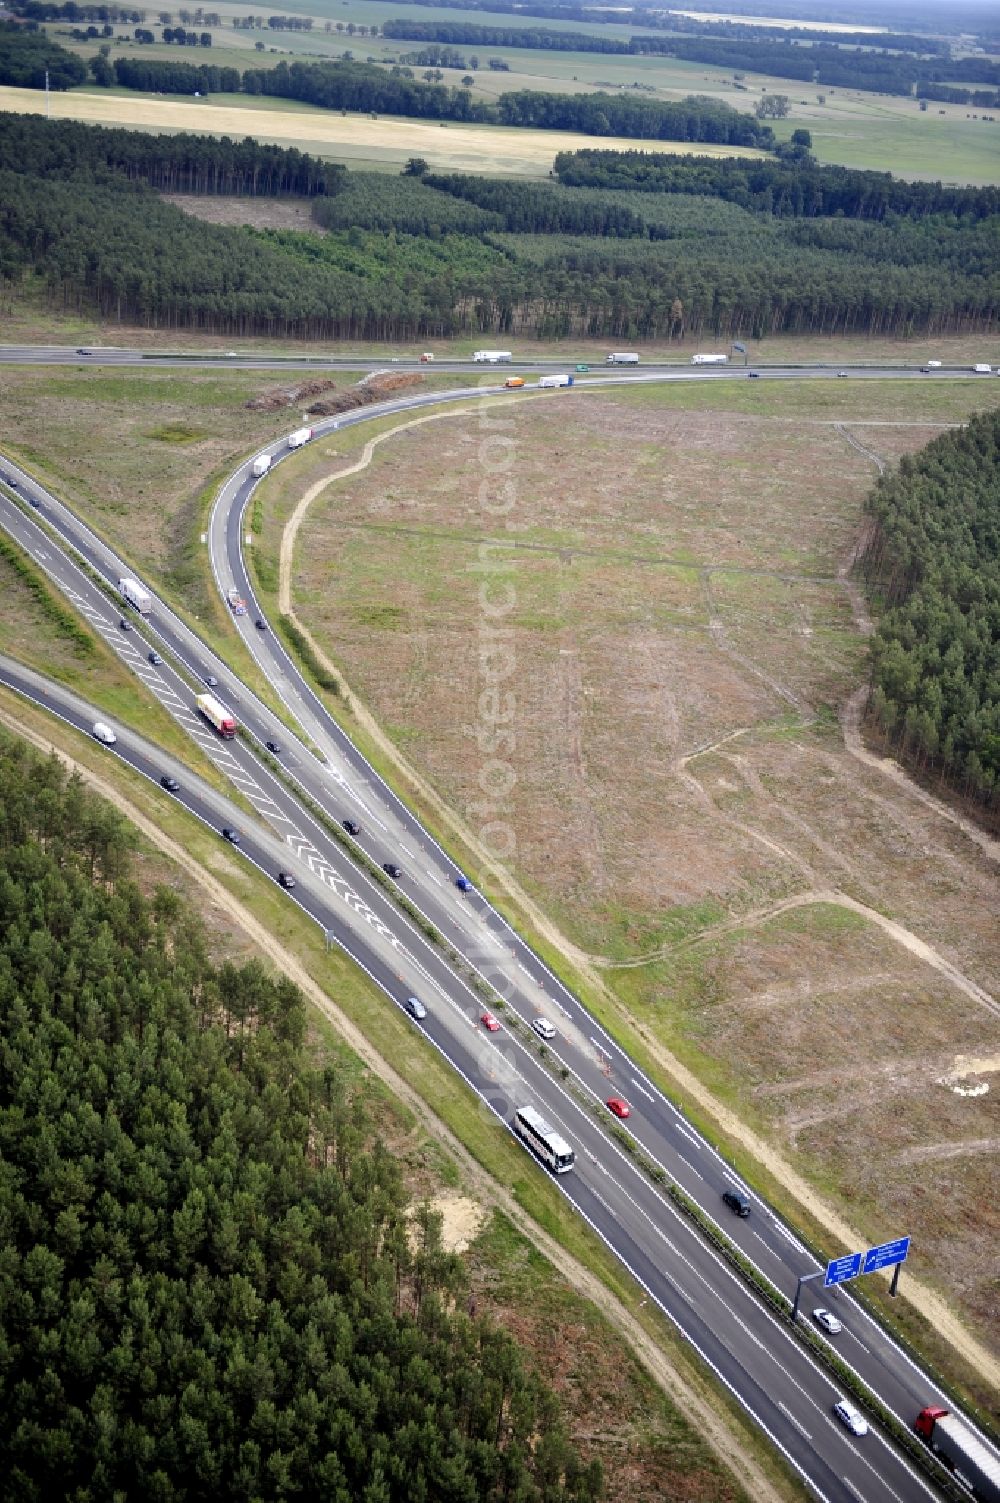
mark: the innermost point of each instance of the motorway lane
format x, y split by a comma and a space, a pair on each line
574, 1035
110, 355
777, 1386
509, 965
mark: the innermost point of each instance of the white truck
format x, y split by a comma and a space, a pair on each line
299, 437
709, 359
132, 591
555, 380
217, 715
261, 465
492, 357
620, 359
983, 370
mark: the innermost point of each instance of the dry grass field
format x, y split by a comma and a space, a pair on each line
814, 939
447, 146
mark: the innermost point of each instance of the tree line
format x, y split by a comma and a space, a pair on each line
213, 1284
27, 55
932, 565
181, 163
369, 89
782, 188
438, 255
538, 38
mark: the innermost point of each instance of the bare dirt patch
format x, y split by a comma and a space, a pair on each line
678, 583
259, 213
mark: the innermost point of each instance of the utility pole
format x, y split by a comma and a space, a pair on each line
48, 112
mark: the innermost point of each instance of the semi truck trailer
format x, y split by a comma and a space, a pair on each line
492, 357
974, 1463
555, 380
622, 359
217, 716
261, 465
132, 591
299, 437
709, 359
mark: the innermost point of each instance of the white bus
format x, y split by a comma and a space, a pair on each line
542, 1140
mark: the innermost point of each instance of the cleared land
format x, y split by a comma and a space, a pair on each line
816, 942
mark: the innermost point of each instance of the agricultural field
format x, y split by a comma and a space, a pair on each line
690, 799
850, 127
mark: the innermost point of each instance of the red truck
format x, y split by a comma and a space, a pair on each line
974, 1463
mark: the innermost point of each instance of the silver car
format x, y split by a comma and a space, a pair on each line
416, 1008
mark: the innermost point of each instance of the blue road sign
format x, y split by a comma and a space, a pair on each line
886, 1255
839, 1270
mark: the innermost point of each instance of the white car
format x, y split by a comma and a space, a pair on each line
104, 733
416, 1008
826, 1318
543, 1028
850, 1415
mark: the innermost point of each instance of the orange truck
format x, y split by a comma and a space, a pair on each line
513, 382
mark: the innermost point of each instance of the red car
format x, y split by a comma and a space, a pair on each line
618, 1106
490, 1023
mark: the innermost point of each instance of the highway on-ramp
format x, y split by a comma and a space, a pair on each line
788, 1393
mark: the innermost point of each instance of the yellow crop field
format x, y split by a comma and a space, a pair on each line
385, 141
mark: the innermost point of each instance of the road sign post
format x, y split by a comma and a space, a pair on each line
888, 1255
803, 1279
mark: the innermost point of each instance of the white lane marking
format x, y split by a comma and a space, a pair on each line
432, 876
796, 1422
642, 1089
689, 1135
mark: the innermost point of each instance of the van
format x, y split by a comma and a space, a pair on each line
104, 734
736, 1202
426, 359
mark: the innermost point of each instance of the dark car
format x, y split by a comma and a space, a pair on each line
155, 659
352, 827
463, 884
392, 870
286, 879
233, 836
125, 625
736, 1202
273, 748
753, 375
170, 784
260, 625
34, 501
83, 352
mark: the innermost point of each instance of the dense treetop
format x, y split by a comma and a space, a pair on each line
645, 246
25, 56
933, 561
211, 1283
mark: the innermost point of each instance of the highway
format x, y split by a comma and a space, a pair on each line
779, 1384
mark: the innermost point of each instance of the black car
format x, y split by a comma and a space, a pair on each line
233, 836
392, 870
753, 375
352, 827
273, 748
34, 501
170, 784
260, 624
125, 625
83, 352
155, 659
286, 879
736, 1202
